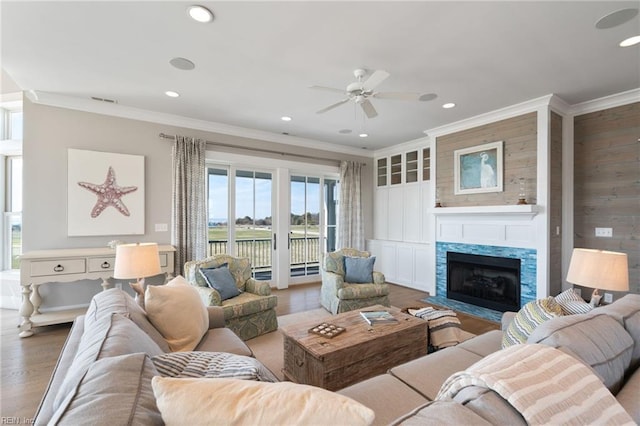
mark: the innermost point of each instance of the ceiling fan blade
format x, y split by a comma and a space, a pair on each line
376, 78
330, 107
328, 89
368, 109
403, 96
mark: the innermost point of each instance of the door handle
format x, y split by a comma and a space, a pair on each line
275, 242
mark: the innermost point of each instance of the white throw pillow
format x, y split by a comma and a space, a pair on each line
178, 313
245, 402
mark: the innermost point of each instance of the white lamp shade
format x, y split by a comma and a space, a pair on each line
134, 261
599, 269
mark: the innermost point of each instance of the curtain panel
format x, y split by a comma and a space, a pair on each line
189, 209
350, 225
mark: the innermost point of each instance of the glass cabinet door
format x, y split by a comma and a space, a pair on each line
426, 164
382, 171
411, 166
396, 169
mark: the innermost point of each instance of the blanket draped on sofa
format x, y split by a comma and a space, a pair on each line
544, 384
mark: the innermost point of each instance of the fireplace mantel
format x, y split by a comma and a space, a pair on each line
524, 210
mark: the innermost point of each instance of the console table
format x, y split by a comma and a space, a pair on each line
67, 265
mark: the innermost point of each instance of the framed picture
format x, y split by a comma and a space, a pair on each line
105, 193
478, 169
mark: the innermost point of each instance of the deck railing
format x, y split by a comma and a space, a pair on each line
303, 251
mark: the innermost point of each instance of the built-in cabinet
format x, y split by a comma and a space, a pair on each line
402, 217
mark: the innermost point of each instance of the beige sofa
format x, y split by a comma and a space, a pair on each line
607, 339
104, 373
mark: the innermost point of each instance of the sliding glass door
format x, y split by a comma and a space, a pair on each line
282, 221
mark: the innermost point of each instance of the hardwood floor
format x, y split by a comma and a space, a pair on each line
27, 364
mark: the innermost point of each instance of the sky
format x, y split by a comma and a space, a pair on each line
219, 196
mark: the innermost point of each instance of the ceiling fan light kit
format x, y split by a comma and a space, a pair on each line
361, 91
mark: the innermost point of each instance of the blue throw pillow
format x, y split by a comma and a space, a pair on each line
358, 269
221, 280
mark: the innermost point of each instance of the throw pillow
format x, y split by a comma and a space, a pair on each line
219, 365
176, 310
358, 270
334, 262
528, 318
571, 303
221, 280
190, 401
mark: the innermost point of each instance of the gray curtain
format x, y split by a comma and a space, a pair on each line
350, 226
189, 210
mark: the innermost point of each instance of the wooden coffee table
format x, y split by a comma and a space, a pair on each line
361, 352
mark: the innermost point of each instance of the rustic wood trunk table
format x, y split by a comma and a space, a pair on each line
361, 352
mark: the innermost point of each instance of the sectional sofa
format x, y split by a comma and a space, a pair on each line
104, 374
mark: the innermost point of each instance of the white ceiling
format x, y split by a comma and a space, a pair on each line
256, 60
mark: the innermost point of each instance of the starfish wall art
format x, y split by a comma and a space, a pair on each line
105, 205
109, 194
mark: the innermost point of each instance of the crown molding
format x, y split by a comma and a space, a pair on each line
405, 146
612, 101
491, 116
122, 111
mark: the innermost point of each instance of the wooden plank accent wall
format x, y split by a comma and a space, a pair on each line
520, 147
555, 205
607, 183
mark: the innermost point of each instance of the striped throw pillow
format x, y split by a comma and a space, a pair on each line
212, 365
528, 318
571, 303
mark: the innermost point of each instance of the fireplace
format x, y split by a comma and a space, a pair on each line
487, 281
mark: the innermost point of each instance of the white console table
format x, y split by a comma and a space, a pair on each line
67, 265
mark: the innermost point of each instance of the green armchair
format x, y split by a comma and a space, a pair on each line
249, 314
337, 295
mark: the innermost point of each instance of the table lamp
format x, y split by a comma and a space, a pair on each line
137, 261
599, 269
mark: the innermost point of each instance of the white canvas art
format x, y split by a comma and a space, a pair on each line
105, 193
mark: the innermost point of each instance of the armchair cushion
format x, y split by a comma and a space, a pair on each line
362, 291
359, 269
221, 280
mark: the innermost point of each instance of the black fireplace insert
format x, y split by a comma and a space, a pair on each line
487, 281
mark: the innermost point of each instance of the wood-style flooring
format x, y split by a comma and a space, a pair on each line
27, 364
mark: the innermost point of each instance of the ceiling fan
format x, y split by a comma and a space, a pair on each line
360, 91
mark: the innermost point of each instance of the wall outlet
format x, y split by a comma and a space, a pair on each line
119, 286
162, 227
608, 298
604, 232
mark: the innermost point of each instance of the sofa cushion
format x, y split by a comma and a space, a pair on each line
427, 374
483, 344
438, 413
571, 303
114, 300
598, 341
122, 386
223, 340
627, 312
489, 405
528, 318
212, 364
176, 310
395, 400
358, 270
119, 336
628, 396
190, 401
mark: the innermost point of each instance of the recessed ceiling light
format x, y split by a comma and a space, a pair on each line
285, 118
182, 64
172, 94
200, 13
616, 18
448, 105
363, 135
631, 41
